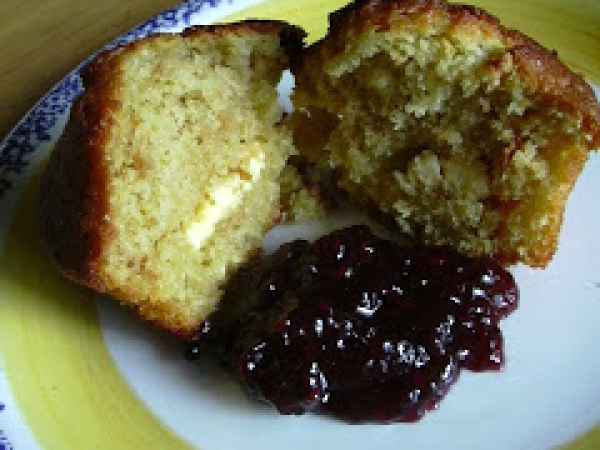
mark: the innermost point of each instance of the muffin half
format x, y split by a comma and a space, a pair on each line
167, 176
467, 133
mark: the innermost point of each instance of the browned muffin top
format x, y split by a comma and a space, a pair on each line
539, 67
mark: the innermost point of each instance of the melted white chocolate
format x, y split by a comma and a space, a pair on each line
222, 201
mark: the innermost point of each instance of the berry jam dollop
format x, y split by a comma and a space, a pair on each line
367, 330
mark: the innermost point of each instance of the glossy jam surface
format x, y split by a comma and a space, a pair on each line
366, 330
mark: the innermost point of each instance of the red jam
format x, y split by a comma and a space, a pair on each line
370, 331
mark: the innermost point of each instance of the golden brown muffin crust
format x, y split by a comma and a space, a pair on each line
74, 190
291, 37
540, 68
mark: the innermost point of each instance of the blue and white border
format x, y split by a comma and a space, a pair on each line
4, 442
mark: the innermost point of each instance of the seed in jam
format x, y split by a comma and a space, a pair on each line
367, 330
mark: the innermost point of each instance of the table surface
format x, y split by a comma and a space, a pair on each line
41, 42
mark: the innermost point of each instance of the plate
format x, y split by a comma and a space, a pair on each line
78, 372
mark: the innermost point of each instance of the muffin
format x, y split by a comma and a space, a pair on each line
467, 133
167, 176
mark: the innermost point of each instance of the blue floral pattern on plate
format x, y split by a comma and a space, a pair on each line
4, 443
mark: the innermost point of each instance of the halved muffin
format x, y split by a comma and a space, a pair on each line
467, 133
167, 176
